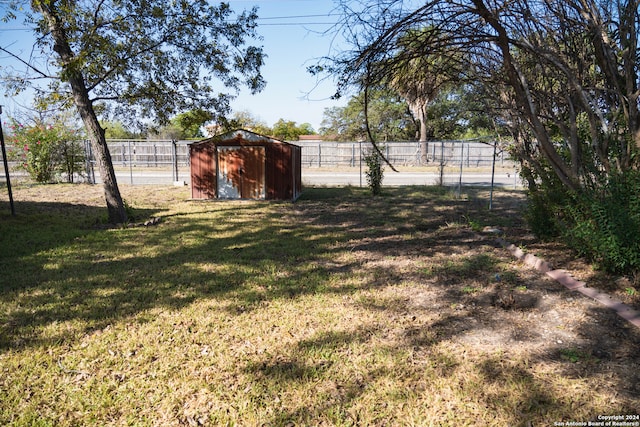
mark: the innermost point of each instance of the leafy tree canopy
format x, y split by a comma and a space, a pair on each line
282, 129
245, 120
117, 130
187, 125
136, 60
191, 122
144, 60
456, 113
290, 130
389, 119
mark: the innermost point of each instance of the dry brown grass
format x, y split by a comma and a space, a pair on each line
340, 309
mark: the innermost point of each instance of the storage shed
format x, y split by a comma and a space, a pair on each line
245, 165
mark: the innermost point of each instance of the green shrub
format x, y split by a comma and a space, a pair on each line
605, 225
45, 151
546, 202
375, 172
37, 146
540, 216
600, 223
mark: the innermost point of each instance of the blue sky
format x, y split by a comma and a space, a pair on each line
295, 33
294, 37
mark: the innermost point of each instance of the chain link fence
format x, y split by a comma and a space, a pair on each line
471, 154
166, 161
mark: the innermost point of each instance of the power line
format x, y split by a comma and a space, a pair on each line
266, 18
324, 15
285, 24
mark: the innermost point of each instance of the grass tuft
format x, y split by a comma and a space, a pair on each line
339, 309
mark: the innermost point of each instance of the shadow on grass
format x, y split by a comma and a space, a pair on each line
57, 268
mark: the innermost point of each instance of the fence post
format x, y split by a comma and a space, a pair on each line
468, 152
441, 163
493, 173
353, 155
6, 168
130, 164
174, 158
91, 174
319, 155
461, 165
360, 143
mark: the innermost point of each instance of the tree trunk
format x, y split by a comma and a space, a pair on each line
419, 111
115, 205
524, 101
424, 145
73, 75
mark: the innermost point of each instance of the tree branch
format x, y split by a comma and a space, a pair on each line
29, 65
368, 129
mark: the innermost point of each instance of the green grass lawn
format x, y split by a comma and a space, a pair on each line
339, 309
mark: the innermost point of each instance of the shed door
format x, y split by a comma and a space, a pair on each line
241, 172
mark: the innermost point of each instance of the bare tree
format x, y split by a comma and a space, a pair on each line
568, 70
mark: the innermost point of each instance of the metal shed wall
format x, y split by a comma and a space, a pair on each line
281, 169
283, 178
203, 171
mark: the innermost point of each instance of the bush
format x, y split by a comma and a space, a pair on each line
71, 158
605, 226
375, 172
44, 151
545, 210
601, 224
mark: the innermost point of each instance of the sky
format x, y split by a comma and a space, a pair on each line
295, 34
294, 37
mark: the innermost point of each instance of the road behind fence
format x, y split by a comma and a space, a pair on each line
166, 161
323, 154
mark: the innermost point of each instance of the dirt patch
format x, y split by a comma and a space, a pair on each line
477, 295
625, 289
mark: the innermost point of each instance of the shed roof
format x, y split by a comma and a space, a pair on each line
244, 134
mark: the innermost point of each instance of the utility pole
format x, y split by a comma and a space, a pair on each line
6, 166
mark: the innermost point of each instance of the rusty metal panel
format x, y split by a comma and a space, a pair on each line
241, 164
281, 186
284, 178
203, 171
241, 172
297, 172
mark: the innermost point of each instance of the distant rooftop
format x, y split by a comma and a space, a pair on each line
310, 138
